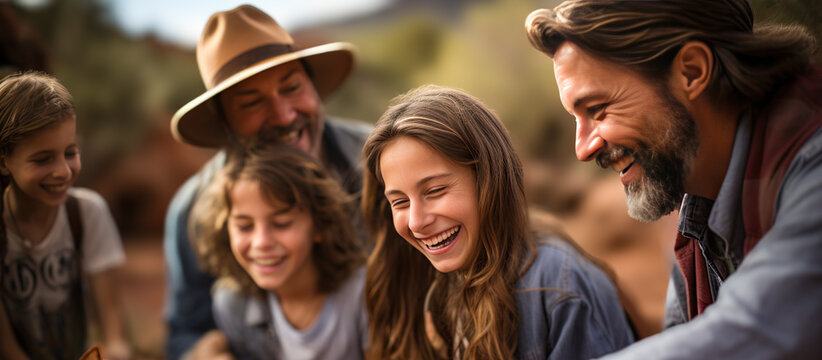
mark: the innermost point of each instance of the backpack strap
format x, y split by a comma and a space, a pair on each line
75, 222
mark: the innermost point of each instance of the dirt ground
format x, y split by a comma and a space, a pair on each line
142, 294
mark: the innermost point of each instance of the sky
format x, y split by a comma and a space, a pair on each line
181, 21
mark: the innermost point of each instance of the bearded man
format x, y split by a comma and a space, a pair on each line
699, 110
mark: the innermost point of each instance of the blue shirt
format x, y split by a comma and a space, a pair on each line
188, 293
568, 307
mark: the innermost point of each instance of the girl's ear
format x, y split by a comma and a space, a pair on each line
3, 169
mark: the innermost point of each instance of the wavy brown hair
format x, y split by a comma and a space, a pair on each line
29, 102
645, 36
291, 177
461, 128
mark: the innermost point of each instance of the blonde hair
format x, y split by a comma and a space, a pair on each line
291, 177
461, 128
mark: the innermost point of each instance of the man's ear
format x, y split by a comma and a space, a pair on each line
692, 68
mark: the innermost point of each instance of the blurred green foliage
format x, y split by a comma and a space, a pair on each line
120, 84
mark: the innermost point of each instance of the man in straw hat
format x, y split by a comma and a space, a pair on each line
259, 85
699, 111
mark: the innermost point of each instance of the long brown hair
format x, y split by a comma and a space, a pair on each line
29, 102
291, 177
461, 128
645, 36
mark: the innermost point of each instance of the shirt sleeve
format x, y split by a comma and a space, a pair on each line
188, 307
576, 333
569, 308
102, 246
768, 309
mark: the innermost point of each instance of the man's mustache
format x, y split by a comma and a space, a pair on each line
612, 154
280, 134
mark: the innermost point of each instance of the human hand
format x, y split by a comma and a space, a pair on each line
213, 345
117, 350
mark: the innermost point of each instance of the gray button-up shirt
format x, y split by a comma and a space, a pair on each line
770, 307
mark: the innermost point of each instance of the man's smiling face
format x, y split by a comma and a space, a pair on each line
630, 124
280, 105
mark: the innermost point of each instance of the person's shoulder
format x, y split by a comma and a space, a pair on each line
554, 253
560, 264
349, 127
354, 285
203, 176
230, 302
88, 198
186, 193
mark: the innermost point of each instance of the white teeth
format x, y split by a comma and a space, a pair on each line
290, 136
269, 262
624, 164
434, 240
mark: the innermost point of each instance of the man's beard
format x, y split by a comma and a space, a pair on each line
665, 164
301, 125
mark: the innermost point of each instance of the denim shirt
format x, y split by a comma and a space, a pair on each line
769, 307
568, 307
188, 297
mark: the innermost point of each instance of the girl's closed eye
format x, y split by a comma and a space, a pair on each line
43, 159
398, 203
437, 190
71, 153
243, 226
282, 223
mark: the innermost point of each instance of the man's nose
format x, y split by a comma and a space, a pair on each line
588, 142
281, 112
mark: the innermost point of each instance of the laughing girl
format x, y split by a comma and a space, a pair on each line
456, 271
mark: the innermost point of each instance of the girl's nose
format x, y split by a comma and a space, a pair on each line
62, 170
419, 218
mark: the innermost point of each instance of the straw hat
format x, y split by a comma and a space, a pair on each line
241, 43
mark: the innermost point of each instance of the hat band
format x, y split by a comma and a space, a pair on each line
248, 58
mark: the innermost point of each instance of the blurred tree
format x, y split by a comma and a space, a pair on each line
21, 47
119, 83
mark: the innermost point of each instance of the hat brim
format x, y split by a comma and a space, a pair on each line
198, 122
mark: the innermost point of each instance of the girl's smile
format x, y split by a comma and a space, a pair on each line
433, 201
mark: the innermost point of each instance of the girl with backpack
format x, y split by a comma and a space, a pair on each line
51, 234
274, 228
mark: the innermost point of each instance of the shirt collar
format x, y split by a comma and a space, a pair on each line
725, 209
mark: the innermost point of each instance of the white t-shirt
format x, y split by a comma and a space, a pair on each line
339, 332
257, 328
40, 279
